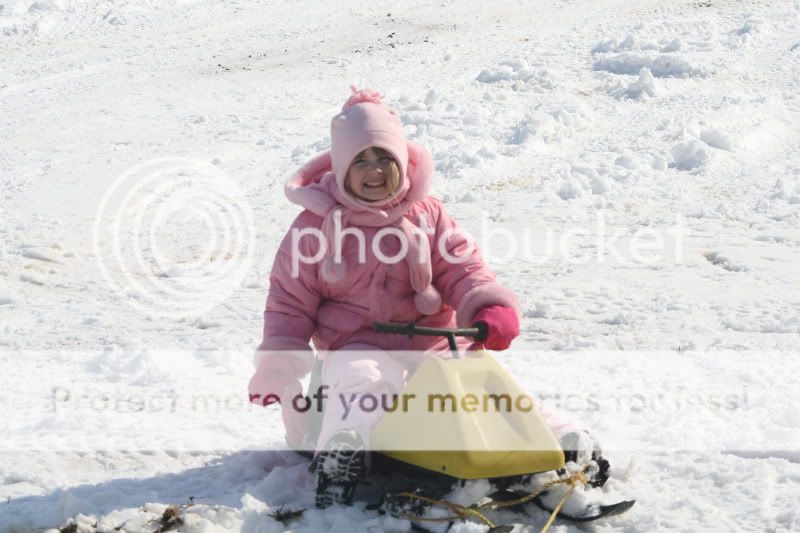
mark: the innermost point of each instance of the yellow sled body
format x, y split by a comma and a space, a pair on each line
469, 419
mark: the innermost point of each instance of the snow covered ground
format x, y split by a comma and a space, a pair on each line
646, 155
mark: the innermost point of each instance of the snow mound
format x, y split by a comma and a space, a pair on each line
7, 296
569, 190
40, 252
520, 73
779, 321
539, 310
660, 66
631, 57
631, 43
717, 259
619, 319
750, 28
643, 88
547, 127
690, 155
782, 190
718, 139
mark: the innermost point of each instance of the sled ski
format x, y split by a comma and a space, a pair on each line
592, 511
406, 495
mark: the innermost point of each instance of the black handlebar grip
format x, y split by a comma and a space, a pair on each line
412, 329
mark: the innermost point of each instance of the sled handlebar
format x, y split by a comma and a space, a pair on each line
411, 329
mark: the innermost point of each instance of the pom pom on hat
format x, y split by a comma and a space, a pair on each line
361, 96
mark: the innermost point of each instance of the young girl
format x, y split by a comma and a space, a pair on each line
370, 245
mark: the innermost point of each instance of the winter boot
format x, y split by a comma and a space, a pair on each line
581, 448
339, 468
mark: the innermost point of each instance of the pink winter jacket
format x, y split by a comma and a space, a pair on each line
305, 307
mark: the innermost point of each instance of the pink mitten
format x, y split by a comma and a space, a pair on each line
276, 380
501, 323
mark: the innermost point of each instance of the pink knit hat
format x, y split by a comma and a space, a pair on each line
363, 122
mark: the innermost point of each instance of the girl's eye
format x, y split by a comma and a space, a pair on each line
386, 160
361, 163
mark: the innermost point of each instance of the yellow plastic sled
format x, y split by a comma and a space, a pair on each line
468, 418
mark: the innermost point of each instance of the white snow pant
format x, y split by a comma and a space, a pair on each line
360, 369
353, 371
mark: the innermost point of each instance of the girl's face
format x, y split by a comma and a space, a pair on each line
373, 175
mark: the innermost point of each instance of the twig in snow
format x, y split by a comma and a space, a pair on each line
171, 518
286, 516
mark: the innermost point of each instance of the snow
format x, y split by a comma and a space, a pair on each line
644, 155
690, 154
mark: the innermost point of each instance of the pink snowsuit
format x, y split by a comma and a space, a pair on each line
401, 259
339, 315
